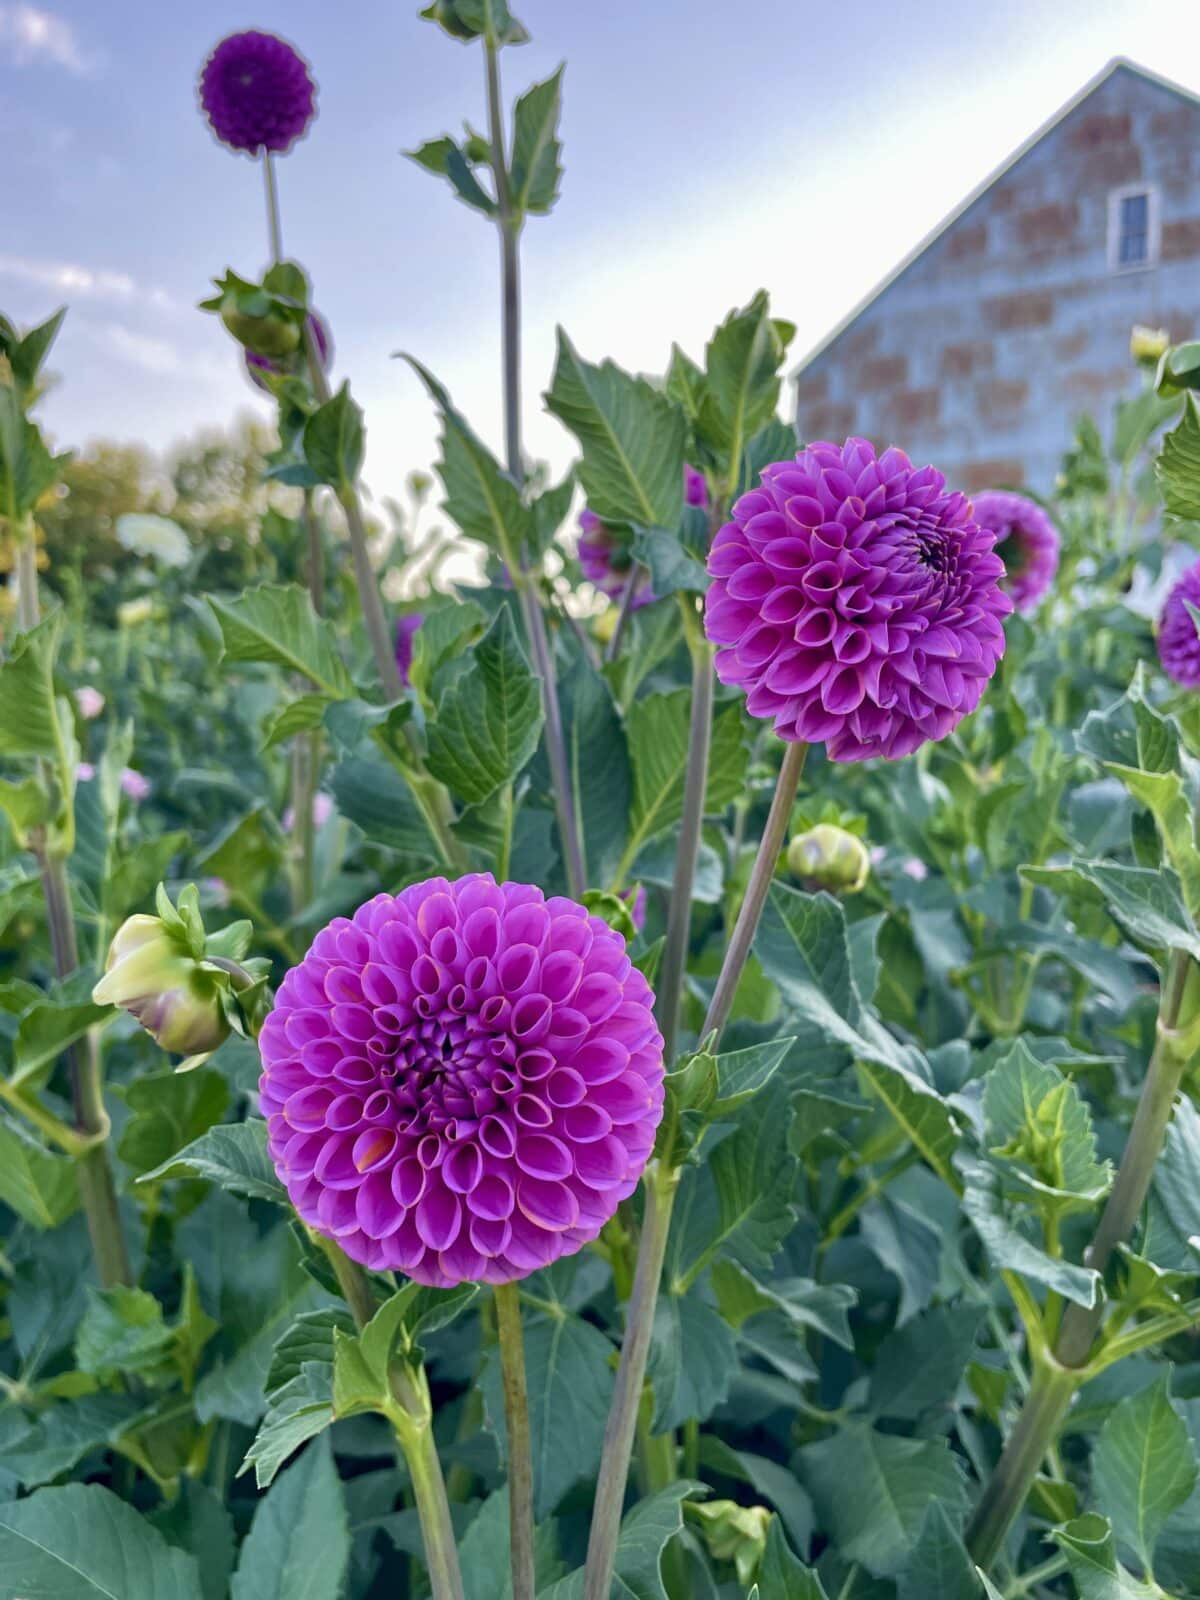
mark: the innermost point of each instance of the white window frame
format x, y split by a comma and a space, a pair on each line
1153, 227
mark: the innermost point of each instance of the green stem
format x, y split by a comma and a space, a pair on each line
624, 611
691, 1448
352, 1280
504, 855
1057, 1376
1031, 1580
305, 756
97, 1190
679, 915
842, 1219
746, 926
27, 584
556, 745
660, 1185
274, 230
315, 559
411, 1417
520, 1451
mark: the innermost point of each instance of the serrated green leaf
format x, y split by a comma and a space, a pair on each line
536, 166
1036, 1117
1087, 1543
443, 635
656, 730
905, 1383
1164, 794
673, 568
299, 1541
48, 1028
334, 441
1145, 902
28, 713
59, 1437
742, 365
781, 1575
894, 1480
276, 623
38, 1185
645, 1533
489, 720
1008, 1247
301, 715
484, 1553
308, 1342
232, 1155
1143, 1467
693, 1360
632, 437
122, 1330
480, 496
82, 1543
375, 796
296, 1412
1178, 465
939, 1564
168, 1111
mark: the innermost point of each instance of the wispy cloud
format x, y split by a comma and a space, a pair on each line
30, 37
157, 356
78, 282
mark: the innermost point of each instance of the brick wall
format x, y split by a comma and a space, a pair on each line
983, 352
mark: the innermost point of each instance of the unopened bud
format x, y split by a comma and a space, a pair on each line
271, 335
151, 974
827, 857
733, 1533
1148, 345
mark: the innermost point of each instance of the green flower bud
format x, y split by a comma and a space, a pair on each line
272, 335
1148, 345
187, 988
829, 858
733, 1533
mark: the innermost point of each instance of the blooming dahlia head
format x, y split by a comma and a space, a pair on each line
857, 601
1178, 642
463, 1080
257, 92
1026, 541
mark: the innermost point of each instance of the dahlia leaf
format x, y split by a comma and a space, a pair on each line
29, 717
1178, 465
296, 1412
444, 635
1143, 1467
301, 715
232, 1155
1165, 796
1144, 901
775, 441
334, 440
601, 776
536, 165
169, 1110
81, 1542
1176, 1183
299, 1540
1036, 1118
693, 1359
894, 1480
645, 1533
657, 732
38, 1185
782, 1575
484, 1552
804, 1303
50, 1026
569, 1376
64, 1433
939, 1564
905, 1383
27, 469
308, 1342
686, 382
376, 797
673, 568
276, 623
742, 362
1087, 1543
1001, 1230
489, 720
632, 437
480, 496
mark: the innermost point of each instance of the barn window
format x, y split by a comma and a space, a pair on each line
1133, 229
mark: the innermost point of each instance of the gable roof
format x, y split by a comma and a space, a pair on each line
1117, 64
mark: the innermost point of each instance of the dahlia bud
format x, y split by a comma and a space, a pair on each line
1148, 345
733, 1533
829, 858
270, 335
154, 977
186, 988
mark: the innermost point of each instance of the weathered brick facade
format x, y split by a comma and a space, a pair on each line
981, 351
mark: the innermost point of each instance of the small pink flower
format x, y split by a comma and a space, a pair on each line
85, 772
322, 810
915, 869
216, 890
90, 702
134, 784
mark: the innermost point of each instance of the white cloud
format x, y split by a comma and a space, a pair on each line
159, 357
83, 283
32, 37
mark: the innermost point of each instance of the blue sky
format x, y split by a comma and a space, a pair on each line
710, 146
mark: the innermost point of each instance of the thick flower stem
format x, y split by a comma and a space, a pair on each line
27, 584
352, 1280
679, 916
746, 926
509, 227
1059, 1375
274, 229
97, 1190
411, 1417
660, 1184
520, 1452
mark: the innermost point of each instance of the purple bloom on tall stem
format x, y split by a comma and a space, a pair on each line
857, 601
256, 364
406, 633
695, 489
257, 93
1026, 541
463, 1081
607, 561
1178, 641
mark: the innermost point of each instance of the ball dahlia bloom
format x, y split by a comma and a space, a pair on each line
695, 489
257, 92
857, 601
1026, 541
1178, 641
462, 1081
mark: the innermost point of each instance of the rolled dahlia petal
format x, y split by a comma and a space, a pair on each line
463, 1081
1178, 642
257, 92
857, 601
1026, 541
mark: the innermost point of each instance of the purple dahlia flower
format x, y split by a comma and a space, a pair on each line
695, 490
406, 633
463, 1081
1178, 642
857, 601
1026, 541
256, 363
257, 92
606, 561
